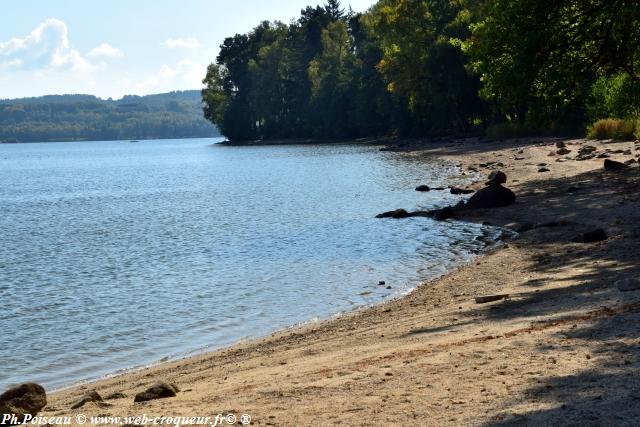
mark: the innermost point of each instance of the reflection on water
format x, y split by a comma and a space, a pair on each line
115, 255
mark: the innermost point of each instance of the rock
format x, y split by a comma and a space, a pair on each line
587, 149
90, 396
497, 177
423, 188
630, 162
628, 284
25, 399
603, 156
398, 213
563, 151
612, 165
490, 298
493, 196
592, 236
573, 189
443, 214
543, 169
560, 144
159, 390
456, 190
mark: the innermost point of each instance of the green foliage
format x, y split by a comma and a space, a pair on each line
423, 64
85, 117
618, 129
538, 58
615, 96
429, 67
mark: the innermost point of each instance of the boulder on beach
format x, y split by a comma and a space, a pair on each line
492, 196
160, 390
563, 151
423, 188
612, 165
497, 177
25, 399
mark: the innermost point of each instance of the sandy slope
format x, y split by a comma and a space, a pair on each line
562, 350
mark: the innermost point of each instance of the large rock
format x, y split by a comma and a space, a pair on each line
26, 399
612, 165
422, 188
497, 177
159, 390
493, 196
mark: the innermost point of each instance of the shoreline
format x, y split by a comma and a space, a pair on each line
400, 358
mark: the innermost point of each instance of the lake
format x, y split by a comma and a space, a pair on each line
116, 254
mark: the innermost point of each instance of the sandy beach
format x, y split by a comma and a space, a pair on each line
561, 349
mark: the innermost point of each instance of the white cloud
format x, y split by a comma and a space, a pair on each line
106, 50
46, 46
186, 74
185, 43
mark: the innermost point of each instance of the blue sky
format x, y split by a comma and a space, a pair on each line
117, 47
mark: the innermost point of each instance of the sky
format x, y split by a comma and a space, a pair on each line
118, 47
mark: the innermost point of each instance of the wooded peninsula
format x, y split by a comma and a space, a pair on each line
506, 68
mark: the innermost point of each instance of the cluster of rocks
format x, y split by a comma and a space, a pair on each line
30, 398
493, 195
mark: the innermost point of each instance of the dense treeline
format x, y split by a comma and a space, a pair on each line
85, 117
430, 67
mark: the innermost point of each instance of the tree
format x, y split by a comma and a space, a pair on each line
538, 58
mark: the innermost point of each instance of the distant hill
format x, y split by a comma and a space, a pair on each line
86, 117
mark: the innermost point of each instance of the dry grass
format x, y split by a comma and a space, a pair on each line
618, 129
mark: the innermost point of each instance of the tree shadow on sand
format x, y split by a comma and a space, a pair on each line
574, 286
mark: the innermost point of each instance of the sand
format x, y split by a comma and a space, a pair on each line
562, 349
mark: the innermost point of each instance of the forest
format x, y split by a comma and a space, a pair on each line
86, 117
504, 68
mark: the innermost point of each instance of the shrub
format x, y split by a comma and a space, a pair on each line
613, 129
614, 96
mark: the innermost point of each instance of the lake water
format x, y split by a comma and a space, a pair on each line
116, 254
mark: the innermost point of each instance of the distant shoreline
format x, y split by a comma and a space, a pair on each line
103, 140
